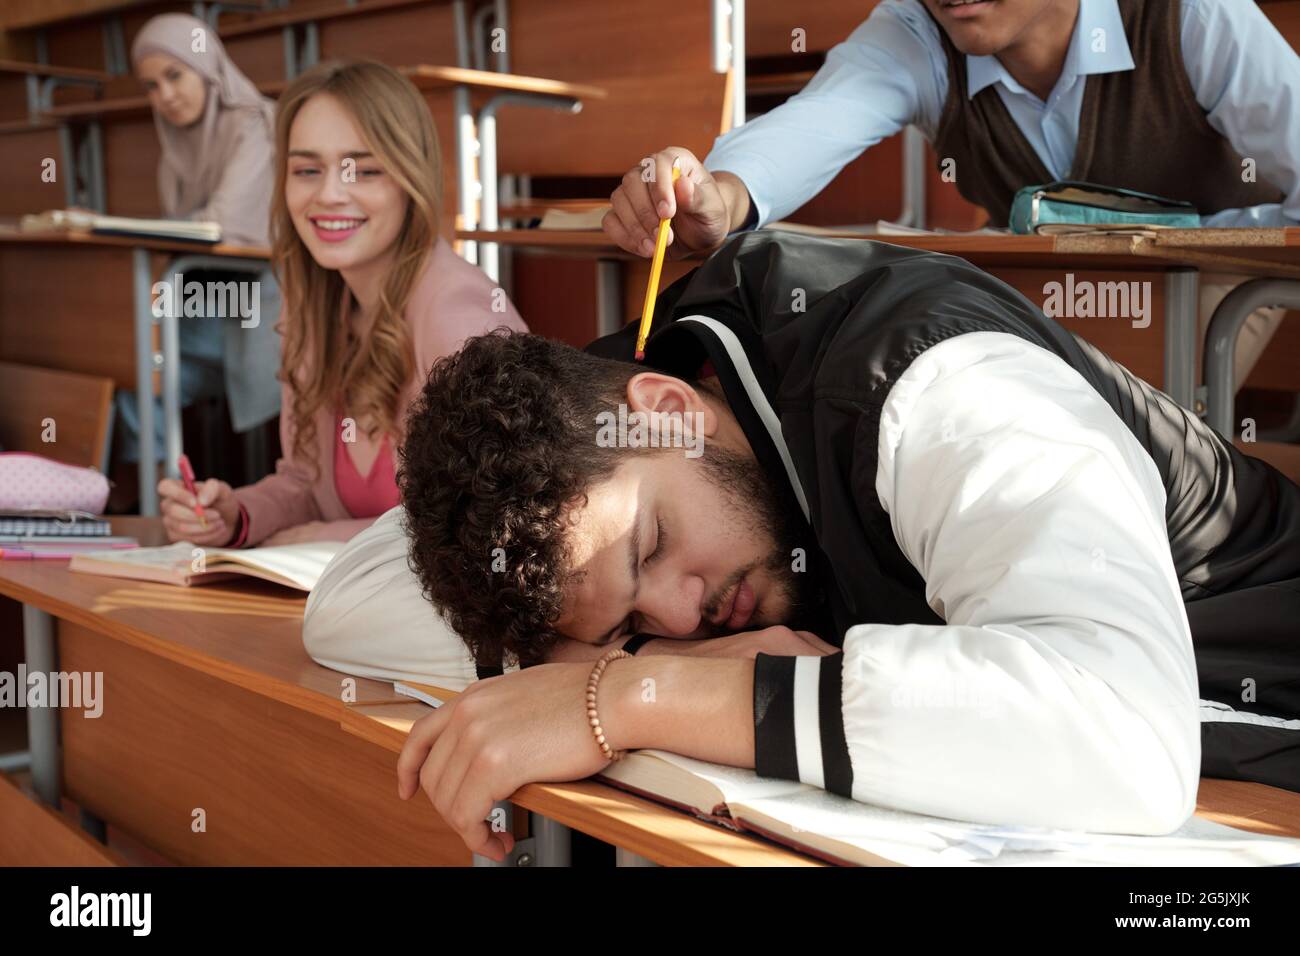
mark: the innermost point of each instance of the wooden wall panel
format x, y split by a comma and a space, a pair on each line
259, 55
131, 154
13, 97
22, 157
769, 24
653, 60
402, 37
68, 308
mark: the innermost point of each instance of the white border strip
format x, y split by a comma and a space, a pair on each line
755, 392
1212, 711
807, 721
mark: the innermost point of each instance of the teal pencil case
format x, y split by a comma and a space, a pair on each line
1067, 206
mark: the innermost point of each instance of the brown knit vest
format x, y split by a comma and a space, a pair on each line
1139, 129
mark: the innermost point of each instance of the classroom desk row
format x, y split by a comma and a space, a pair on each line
221, 742
1176, 255
84, 303
474, 132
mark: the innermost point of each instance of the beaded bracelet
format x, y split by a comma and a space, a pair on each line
596, 673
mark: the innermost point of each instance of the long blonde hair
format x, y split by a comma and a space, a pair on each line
321, 360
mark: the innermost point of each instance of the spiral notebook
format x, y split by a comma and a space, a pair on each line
53, 524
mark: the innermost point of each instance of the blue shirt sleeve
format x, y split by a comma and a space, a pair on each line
890, 72
1247, 79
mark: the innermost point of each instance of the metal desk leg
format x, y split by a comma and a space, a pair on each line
171, 380
624, 857
1182, 302
552, 841
466, 142
146, 360
488, 254
609, 296
549, 844
42, 722
1221, 342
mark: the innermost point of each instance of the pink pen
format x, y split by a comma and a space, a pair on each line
18, 554
187, 475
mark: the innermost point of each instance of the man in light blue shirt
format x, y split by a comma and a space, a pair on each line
1227, 130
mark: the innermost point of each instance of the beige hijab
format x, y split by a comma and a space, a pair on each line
236, 119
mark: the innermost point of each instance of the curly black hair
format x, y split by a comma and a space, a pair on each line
499, 448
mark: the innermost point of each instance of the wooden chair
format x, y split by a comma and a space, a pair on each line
78, 407
34, 835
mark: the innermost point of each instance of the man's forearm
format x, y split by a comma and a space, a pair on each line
697, 707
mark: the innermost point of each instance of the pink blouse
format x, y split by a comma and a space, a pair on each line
366, 496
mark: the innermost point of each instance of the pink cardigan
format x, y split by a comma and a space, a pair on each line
452, 301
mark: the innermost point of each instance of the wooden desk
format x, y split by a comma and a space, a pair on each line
642, 830
1247, 806
81, 286
210, 702
1176, 256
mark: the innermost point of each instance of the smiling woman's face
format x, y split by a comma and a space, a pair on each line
176, 92
345, 206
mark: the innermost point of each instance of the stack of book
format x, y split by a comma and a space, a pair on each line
56, 535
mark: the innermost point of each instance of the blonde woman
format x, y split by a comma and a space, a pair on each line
372, 298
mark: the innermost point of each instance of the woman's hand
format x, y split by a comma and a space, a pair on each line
220, 508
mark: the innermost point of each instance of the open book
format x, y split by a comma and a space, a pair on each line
590, 218
840, 830
75, 220
293, 565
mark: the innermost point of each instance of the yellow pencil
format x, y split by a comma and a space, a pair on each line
652, 290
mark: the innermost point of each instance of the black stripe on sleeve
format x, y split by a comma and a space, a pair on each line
837, 769
774, 750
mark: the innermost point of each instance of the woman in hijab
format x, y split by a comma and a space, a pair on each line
217, 137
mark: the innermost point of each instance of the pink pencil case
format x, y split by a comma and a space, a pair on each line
35, 483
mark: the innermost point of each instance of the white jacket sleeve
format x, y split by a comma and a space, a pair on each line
1062, 690
367, 616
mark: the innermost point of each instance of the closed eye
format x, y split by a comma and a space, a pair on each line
660, 541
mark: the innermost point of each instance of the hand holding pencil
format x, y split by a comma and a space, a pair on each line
699, 204
179, 508
652, 289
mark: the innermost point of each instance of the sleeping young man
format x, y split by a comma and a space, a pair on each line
913, 543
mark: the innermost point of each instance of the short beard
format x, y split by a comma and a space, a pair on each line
753, 497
